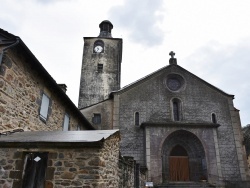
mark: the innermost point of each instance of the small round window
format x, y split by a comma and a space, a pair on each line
174, 82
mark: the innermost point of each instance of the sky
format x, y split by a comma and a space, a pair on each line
211, 38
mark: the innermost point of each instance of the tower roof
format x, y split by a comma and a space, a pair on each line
105, 29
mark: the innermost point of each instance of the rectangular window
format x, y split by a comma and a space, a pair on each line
66, 123
44, 107
35, 165
97, 119
100, 67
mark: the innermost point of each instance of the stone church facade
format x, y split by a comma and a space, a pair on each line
175, 125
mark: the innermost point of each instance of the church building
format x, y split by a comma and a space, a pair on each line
176, 126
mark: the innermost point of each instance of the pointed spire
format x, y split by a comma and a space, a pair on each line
172, 60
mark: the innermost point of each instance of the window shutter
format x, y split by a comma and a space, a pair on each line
44, 107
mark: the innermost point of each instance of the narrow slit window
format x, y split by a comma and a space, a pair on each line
214, 120
176, 111
137, 119
44, 107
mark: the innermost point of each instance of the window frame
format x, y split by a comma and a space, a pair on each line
66, 122
137, 118
97, 119
214, 118
100, 68
176, 110
36, 168
44, 107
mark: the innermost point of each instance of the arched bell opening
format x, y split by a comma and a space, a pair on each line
183, 157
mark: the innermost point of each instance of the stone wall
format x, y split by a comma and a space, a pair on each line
87, 167
21, 90
104, 108
130, 174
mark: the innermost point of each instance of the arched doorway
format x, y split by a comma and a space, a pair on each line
183, 157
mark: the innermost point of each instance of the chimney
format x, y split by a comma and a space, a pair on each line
63, 87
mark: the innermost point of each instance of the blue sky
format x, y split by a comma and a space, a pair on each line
210, 38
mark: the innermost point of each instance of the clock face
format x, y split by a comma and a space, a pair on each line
98, 49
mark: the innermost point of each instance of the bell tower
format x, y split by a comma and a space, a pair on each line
101, 66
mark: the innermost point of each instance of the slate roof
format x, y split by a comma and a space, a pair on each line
55, 138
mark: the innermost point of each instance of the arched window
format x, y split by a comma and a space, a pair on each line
137, 119
176, 109
98, 46
214, 118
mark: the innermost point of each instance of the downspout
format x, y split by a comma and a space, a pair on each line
6, 48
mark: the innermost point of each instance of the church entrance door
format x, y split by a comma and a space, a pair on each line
183, 157
178, 164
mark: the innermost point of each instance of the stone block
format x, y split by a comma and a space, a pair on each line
89, 176
17, 155
61, 155
49, 184
52, 155
68, 175
68, 164
15, 174
3, 162
96, 162
16, 184
76, 183
19, 164
50, 173
58, 163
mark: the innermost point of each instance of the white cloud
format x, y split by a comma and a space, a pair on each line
140, 19
226, 67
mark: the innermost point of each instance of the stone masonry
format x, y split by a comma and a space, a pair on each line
21, 90
87, 167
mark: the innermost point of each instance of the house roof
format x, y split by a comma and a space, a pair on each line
10, 41
156, 73
56, 138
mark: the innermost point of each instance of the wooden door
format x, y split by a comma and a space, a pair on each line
34, 172
178, 168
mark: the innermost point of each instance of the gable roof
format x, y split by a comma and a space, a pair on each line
9, 41
159, 71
